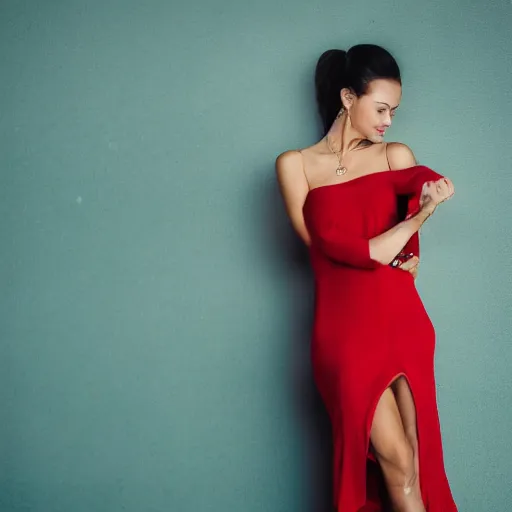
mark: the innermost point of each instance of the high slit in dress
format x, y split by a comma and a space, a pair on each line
370, 327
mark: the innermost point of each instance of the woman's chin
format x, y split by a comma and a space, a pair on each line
375, 138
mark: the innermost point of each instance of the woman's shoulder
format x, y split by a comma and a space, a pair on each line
294, 157
288, 160
289, 166
310, 151
400, 156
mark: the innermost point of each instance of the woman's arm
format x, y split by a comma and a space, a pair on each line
344, 247
336, 243
400, 157
386, 246
382, 249
294, 189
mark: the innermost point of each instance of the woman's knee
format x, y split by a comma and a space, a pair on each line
398, 457
390, 443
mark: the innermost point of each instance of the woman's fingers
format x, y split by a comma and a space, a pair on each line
451, 188
410, 264
436, 192
443, 190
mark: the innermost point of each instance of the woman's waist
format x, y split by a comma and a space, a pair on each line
354, 275
351, 284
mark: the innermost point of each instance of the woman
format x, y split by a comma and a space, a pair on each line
373, 342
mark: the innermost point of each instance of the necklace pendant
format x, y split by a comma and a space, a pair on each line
340, 171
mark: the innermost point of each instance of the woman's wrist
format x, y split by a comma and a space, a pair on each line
420, 217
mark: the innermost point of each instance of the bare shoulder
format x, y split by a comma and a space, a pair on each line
289, 166
292, 177
288, 160
400, 156
294, 189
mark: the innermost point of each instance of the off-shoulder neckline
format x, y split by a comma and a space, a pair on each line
347, 182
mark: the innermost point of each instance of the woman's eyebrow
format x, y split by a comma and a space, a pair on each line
383, 103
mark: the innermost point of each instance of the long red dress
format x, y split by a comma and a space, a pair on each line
370, 327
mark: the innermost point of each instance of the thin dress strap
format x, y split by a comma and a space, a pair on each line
386, 151
304, 168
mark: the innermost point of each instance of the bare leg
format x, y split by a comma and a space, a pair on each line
395, 455
407, 408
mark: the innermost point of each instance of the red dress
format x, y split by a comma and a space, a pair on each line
370, 327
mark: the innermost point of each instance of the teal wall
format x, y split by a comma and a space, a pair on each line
155, 305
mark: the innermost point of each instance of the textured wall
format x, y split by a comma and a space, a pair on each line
155, 306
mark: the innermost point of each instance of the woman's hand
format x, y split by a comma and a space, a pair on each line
411, 265
407, 262
434, 193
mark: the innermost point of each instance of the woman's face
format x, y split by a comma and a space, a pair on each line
372, 113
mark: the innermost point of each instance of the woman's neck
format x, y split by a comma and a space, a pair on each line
343, 137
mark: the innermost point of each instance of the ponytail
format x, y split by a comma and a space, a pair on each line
329, 80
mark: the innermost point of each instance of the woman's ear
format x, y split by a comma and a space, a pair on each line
347, 98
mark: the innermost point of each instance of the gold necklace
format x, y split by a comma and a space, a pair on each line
341, 169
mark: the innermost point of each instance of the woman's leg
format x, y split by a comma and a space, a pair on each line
395, 455
407, 408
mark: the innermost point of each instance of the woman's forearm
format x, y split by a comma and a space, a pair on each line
385, 247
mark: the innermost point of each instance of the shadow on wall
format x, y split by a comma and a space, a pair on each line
289, 259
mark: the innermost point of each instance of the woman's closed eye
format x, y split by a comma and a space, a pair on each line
382, 110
